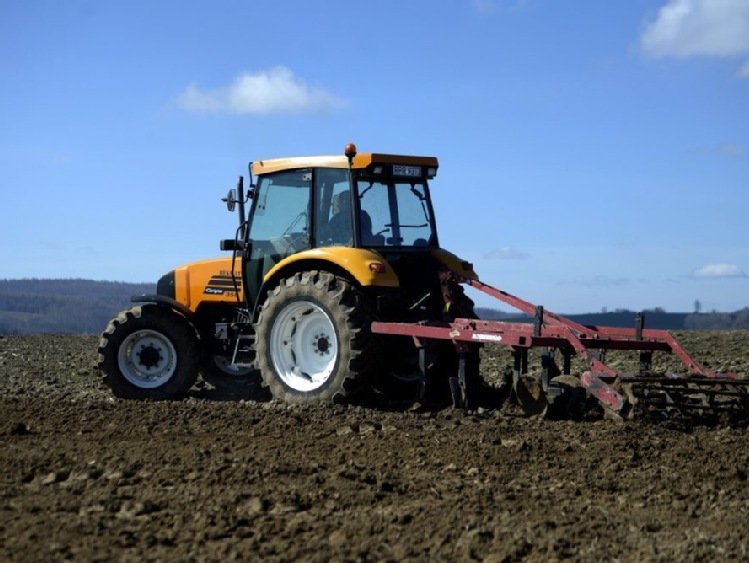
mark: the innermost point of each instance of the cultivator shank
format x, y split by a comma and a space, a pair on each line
699, 393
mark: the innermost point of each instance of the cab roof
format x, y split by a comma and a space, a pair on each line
360, 161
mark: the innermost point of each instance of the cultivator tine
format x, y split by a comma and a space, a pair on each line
456, 392
421, 386
646, 362
464, 388
613, 402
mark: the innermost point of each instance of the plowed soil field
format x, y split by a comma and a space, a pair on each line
214, 477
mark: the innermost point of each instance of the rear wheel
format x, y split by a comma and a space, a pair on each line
149, 352
313, 339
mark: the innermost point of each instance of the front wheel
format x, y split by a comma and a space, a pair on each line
149, 352
313, 339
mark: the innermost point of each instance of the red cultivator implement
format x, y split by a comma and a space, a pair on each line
698, 393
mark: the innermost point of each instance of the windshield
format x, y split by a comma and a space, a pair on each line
395, 214
280, 218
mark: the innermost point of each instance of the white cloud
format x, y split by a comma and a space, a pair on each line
505, 253
718, 271
275, 90
685, 28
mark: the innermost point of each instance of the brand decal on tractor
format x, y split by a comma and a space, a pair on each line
221, 284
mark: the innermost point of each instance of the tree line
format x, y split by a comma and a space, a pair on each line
78, 306
656, 318
63, 306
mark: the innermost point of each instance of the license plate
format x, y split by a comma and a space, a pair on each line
409, 171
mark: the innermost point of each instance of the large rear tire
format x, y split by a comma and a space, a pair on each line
149, 352
313, 339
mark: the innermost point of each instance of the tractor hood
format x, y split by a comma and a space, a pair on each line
206, 280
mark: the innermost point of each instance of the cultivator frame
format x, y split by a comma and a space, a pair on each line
700, 393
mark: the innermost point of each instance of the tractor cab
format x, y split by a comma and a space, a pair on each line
302, 206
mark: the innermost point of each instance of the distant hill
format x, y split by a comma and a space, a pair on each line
77, 306
63, 306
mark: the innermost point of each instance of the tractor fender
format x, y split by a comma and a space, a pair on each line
173, 305
168, 303
367, 267
455, 264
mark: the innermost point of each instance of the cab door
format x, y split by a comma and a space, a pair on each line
279, 223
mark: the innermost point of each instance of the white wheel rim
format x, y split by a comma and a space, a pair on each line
147, 359
303, 346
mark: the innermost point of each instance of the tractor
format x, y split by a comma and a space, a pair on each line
337, 287
325, 247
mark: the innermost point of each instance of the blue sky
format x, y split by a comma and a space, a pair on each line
592, 154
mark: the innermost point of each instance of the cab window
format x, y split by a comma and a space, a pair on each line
334, 217
279, 226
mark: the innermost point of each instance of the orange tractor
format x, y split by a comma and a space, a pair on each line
337, 285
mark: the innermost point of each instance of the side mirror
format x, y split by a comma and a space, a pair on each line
231, 244
230, 199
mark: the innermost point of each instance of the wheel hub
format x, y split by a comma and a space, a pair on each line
321, 344
303, 345
149, 356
